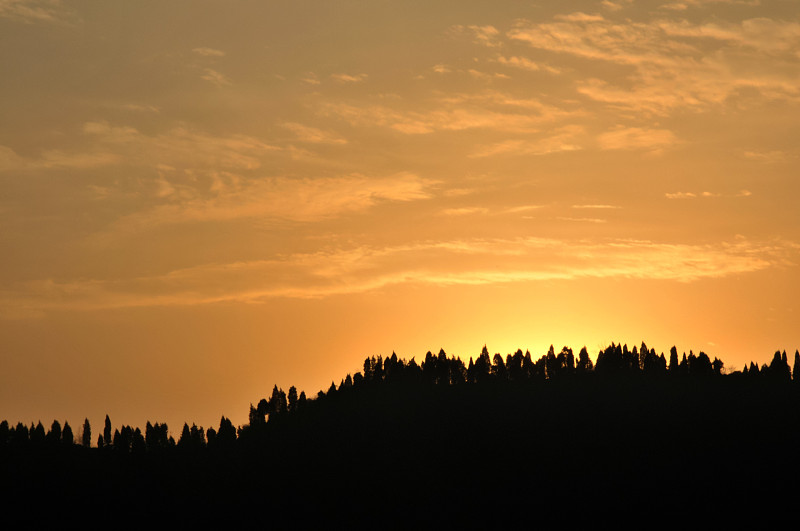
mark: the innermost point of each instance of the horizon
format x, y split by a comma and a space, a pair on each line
201, 201
177, 427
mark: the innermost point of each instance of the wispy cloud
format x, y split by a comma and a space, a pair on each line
683, 5
277, 198
486, 75
208, 52
674, 64
705, 194
311, 78
768, 157
420, 122
637, 138
482, 35
564, 139
138, 107
614, 6
215, 77
583, 220
490, 110
597, 207
485, 211
526, 64
359, 269
33, 11
349, 78
179, 151
465, 211
313, 135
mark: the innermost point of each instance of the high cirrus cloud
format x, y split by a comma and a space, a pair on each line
674, 63
341, 271
278, 198
33, 11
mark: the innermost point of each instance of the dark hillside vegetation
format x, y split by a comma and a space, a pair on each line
496, 441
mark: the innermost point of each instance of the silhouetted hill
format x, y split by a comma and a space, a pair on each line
494, 442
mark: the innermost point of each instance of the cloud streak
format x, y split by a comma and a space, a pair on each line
360, 269
32, 11
276, 198
674, 63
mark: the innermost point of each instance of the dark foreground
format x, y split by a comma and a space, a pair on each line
552, 453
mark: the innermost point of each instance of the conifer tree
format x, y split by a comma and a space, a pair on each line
293, 397
584, 361
54, 435
67, 436
107, 431
86, 436
673, 360
796, 367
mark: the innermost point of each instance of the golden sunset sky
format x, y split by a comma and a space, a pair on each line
202, 199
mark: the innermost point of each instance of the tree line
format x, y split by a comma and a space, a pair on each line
616, 361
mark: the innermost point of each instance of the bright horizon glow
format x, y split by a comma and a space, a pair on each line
198, 207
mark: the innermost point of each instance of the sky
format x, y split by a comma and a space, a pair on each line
202, 199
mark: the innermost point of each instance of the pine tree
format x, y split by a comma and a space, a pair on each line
796, 368
673, 360
293, 397
67, 436
107, 432
54, 435
584, 361
86, 436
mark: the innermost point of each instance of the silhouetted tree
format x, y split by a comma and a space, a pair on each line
198, 437
612, 361
700, 365
107, 432
653, 365
138, 445
293, 398
584, 364
54, 435
565, 362
5, 434
483, 366
442, 368
86, 435
673, 361
226, 435
796, 366
301, 402
429, 367
156, 437
779, 367
528, 367
277, 402
67, 436
185, 440
550, 363
21, 436
499, 367
683, 366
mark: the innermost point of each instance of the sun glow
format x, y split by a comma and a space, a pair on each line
195, 210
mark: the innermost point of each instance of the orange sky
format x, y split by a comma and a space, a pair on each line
203, 199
